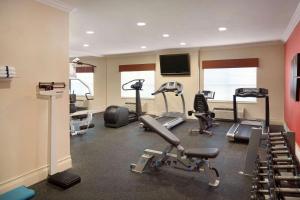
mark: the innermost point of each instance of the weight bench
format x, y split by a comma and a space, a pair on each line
193, 160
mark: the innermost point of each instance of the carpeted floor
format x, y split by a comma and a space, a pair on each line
103, 155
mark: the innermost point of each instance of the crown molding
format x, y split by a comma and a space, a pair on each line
292, 24
57, 4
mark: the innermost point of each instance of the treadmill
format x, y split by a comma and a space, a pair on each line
171, 119
241, 130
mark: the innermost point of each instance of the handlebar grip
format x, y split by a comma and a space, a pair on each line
86, 96
190, 112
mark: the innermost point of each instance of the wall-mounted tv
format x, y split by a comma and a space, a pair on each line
175, 64
295, 77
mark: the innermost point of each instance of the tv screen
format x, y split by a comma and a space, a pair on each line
175, 64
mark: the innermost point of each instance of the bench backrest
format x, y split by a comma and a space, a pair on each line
154, 125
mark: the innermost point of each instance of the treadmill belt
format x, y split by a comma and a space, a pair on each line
164, 120
243, 134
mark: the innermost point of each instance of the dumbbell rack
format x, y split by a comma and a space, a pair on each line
277, 176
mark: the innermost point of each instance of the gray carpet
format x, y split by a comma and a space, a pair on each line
103, 155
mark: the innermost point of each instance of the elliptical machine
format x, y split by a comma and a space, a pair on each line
117, 116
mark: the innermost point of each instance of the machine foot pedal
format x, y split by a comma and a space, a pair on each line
83, 127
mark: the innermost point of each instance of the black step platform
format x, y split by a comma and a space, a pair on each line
64, 179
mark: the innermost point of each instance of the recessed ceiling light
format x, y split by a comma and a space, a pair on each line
222, 29
89, 32
86, 45
182, 43
143, 47
141, 24
166, 35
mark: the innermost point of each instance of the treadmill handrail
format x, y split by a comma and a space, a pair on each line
171, 86
252, 92
177, 89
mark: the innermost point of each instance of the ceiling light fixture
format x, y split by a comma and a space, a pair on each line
182, 43
222, 29
141, 24
143, 47
90, 32
86, 45
165, 35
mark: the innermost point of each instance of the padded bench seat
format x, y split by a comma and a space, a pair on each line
202, 152
172, 139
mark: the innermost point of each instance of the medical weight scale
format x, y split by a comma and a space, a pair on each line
63, 179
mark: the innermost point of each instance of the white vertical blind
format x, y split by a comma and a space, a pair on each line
224, 81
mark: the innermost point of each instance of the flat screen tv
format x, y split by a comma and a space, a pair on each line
175, 64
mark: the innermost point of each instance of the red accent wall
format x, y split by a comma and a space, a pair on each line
291, 107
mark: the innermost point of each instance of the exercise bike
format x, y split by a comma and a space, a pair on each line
117, 116
202, 113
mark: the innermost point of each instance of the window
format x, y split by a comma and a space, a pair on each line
148, 86
224, 81
79, 88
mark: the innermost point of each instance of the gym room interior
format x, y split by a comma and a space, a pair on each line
161, 99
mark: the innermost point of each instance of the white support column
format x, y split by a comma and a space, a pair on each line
53, 146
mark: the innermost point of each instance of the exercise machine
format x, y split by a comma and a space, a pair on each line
80, 117
191, 160
62, 179
170, 119
117, 116
202, 113
80, 121
241, 129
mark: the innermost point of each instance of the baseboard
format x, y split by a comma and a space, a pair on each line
34, 176
277, 122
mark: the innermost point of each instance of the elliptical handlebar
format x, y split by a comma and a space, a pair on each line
136, 86
87, 96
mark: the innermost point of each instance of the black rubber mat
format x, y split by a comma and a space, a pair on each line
103, 155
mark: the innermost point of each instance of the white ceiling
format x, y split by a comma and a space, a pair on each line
195, 22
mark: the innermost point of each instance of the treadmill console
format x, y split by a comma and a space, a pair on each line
208, 94
172, 86
251, 92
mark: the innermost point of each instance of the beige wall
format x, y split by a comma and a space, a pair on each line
34, 39
269, 75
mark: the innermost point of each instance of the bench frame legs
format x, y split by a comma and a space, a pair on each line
152, 159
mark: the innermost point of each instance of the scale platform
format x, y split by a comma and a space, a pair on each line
64, 179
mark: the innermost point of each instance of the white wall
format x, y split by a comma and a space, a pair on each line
34, 39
